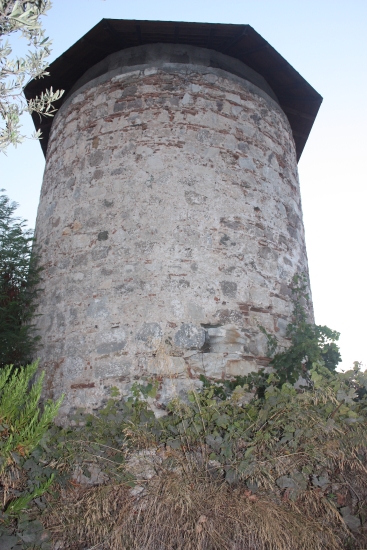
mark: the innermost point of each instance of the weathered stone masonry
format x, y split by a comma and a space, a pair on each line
170, 225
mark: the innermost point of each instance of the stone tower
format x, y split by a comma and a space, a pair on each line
170, 220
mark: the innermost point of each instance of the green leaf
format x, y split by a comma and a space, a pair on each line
249, 451
223, 420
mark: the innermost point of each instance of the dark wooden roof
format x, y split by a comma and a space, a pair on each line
298, 99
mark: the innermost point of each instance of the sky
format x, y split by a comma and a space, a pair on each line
326, 42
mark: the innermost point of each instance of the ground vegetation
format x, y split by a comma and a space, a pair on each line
251, 463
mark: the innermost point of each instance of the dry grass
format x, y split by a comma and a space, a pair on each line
194, 511
182, 502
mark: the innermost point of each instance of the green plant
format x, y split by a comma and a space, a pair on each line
309, 343
19, 279
22, 426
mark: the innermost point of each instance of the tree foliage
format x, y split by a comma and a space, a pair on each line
22, 16
19, 276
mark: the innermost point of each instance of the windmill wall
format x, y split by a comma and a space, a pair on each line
169, 226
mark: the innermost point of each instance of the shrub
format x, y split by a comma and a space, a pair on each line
309, 343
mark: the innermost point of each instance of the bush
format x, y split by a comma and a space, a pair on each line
309, 343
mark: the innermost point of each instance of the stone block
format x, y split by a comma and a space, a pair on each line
225, 339
208, 364
98, 307
150, 334
165, 365
229, 288
195, 311
190, 336
177, 388
111, 367
247, 163
239, 367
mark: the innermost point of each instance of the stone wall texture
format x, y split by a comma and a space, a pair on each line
169, 226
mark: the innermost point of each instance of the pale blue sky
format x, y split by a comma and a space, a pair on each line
326, 42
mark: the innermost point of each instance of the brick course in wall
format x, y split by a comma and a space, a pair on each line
169, 226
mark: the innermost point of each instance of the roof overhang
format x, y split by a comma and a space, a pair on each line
299, 101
